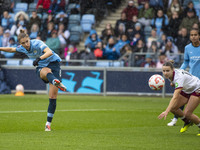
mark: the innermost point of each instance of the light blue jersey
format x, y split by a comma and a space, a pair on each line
192, 58
36, 50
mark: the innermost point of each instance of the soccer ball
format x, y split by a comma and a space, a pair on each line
19, 88
156, 82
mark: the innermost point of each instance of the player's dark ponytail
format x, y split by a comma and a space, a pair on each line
22, 35
169, 63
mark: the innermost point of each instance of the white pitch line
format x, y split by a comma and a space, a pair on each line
33, 111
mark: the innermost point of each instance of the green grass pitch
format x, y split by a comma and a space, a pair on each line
91, 123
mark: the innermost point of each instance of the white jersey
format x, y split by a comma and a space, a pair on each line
183, 79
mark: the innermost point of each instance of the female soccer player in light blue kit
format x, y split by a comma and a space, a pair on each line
191, 58
187, 91
48, 68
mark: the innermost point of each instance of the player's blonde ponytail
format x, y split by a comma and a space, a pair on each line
22, 35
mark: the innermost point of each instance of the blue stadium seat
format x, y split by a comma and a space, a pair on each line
27, 62
74, 20
87, 22
76, 34
32, 7
13, 62
21, 7
103, 64
118, 64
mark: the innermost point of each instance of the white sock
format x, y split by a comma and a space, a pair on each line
48, 123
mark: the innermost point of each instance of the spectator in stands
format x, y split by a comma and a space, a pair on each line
171, 50
155, 50
156, 4
43, 5
130, 10
175, 6
148, 63
160, 22
140, 47
61, 18
196, 26
63, 36
92, 40
57, 6
53, 42
6, 5
121, 20
106, 37
162, 59
189, 20
50, 18
87, 54
6, 21
47, 33
5, 38
122, 42
108, 27
146, 14
121, 30
182, 40
136, 30
70, 54
136, 38
35, 30
152, 38
111, 52
162, 41
34, 19
99, 50
174, 24
190, 6
126, 52
12, 43
131, 24
21, 22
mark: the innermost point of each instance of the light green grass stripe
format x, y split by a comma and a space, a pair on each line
31, 111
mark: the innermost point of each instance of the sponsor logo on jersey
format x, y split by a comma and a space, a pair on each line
176, 85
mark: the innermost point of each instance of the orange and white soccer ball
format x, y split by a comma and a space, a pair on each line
156, 82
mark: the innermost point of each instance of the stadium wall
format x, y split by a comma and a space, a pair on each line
90, 80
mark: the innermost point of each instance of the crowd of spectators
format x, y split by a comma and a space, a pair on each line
152, 32
158, 28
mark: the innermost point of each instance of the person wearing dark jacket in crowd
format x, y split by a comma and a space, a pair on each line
130, 10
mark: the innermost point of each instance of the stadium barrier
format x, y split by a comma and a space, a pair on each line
90, 80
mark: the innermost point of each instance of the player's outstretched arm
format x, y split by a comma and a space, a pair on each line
171, 105
8, 49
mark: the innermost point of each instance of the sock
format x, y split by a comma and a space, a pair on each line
48, 123
185, 120
51, 77
51, 109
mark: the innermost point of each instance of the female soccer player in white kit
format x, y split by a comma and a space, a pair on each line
48, 68
191, 59
187, 91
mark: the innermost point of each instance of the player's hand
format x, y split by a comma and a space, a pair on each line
35, 62
163, 115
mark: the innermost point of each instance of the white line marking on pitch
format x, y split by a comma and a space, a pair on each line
32, 111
